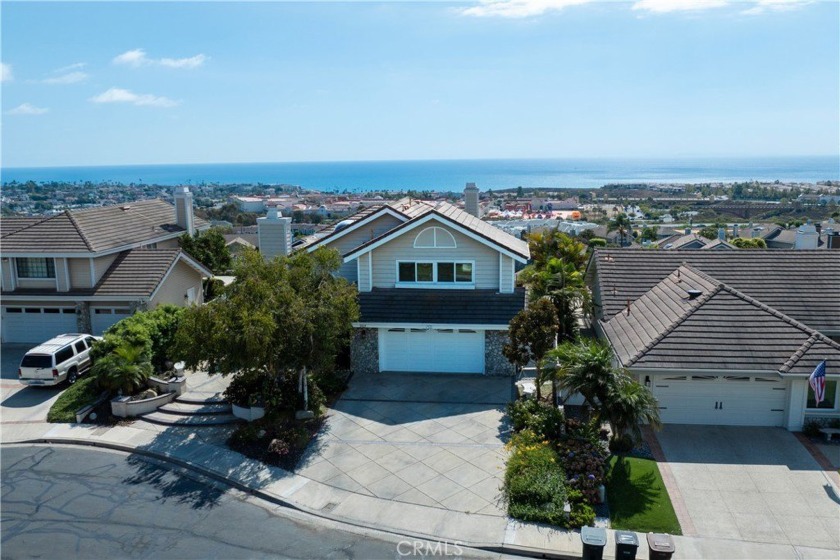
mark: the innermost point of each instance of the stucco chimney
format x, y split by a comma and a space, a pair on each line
184, 209
275, 234
734, 230
471, 199
806, 237
722, 233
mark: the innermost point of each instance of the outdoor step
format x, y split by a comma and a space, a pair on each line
200, 398
189, 409
168, 419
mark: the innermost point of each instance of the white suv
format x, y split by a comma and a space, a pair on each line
64, 357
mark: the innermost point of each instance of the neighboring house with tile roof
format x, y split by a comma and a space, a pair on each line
84, 270
436, 286
725, 337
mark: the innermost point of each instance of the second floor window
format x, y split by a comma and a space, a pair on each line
436, 272
35, 268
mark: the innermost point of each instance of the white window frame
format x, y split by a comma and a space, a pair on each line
834, 408
435, 245
454, 285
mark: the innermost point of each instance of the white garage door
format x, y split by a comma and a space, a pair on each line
37, 324
721, 400
437, 350
103, 317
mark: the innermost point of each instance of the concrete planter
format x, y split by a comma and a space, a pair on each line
249, 413
83, 412
124, 407
175, 385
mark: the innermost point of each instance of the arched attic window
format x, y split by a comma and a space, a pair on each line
434, 238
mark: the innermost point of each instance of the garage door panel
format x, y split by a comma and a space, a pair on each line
728, 401
36, 324
436, 351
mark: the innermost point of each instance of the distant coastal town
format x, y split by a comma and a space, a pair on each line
234, 208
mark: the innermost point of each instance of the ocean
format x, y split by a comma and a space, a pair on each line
450, 174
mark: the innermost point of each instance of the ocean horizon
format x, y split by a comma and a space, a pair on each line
361, 176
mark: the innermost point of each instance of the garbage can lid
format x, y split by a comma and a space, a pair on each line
626, 537
594, 536
660, 542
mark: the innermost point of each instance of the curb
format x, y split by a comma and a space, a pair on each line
496, 548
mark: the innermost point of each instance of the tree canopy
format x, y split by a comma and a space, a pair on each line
209, 248
532, 333
278, 318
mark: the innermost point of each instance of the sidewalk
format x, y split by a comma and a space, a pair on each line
204, 450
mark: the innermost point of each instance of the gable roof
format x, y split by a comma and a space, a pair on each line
683, 241
135, 273
93, 230
800, 284
719, 329
333, 231
421, 212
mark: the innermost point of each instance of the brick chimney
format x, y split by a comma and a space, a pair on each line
471, 199
275, 234
184, 209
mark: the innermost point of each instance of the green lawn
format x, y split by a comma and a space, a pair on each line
82, 393
638, 498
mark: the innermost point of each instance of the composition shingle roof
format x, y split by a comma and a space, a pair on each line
472, 307
93, 230
800, 284
692, 321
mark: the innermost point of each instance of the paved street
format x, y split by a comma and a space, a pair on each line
82, 503
19, 403
752, 484
417, 438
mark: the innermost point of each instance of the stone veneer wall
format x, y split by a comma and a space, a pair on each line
83, 317
364, 351
495, 362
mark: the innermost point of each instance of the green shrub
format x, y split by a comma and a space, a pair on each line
82, 393
582, 515
534, 484
543, 419
597, 242
589, 431
153, 331
276, 394
332, 382
124, 370
812, 428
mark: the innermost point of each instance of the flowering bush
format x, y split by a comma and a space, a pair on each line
544, 420
583, 462
534, 487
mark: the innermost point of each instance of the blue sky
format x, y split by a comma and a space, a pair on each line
109, 83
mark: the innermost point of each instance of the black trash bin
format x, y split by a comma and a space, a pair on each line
661, 546
594, 540
626, 545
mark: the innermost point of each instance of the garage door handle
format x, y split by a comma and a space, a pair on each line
721, 405
716, 405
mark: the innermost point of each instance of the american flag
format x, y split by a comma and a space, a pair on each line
817, 381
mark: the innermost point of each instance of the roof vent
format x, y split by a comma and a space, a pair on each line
694, 294
126, 207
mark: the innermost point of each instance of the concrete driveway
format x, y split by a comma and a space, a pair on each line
435, 440
752, 484
18, 403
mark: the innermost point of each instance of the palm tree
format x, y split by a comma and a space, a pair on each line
631, 404
621, 224
586, 367
583, 367
124, 370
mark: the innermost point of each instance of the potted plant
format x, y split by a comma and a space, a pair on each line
245, 396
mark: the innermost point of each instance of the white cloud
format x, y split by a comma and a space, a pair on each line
665, 6
191, 62
69, 67
137, 58
518, 8
6, 72
119, 95
762, 6
68, 78
27, 109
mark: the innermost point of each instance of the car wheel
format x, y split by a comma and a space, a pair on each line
72, 375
